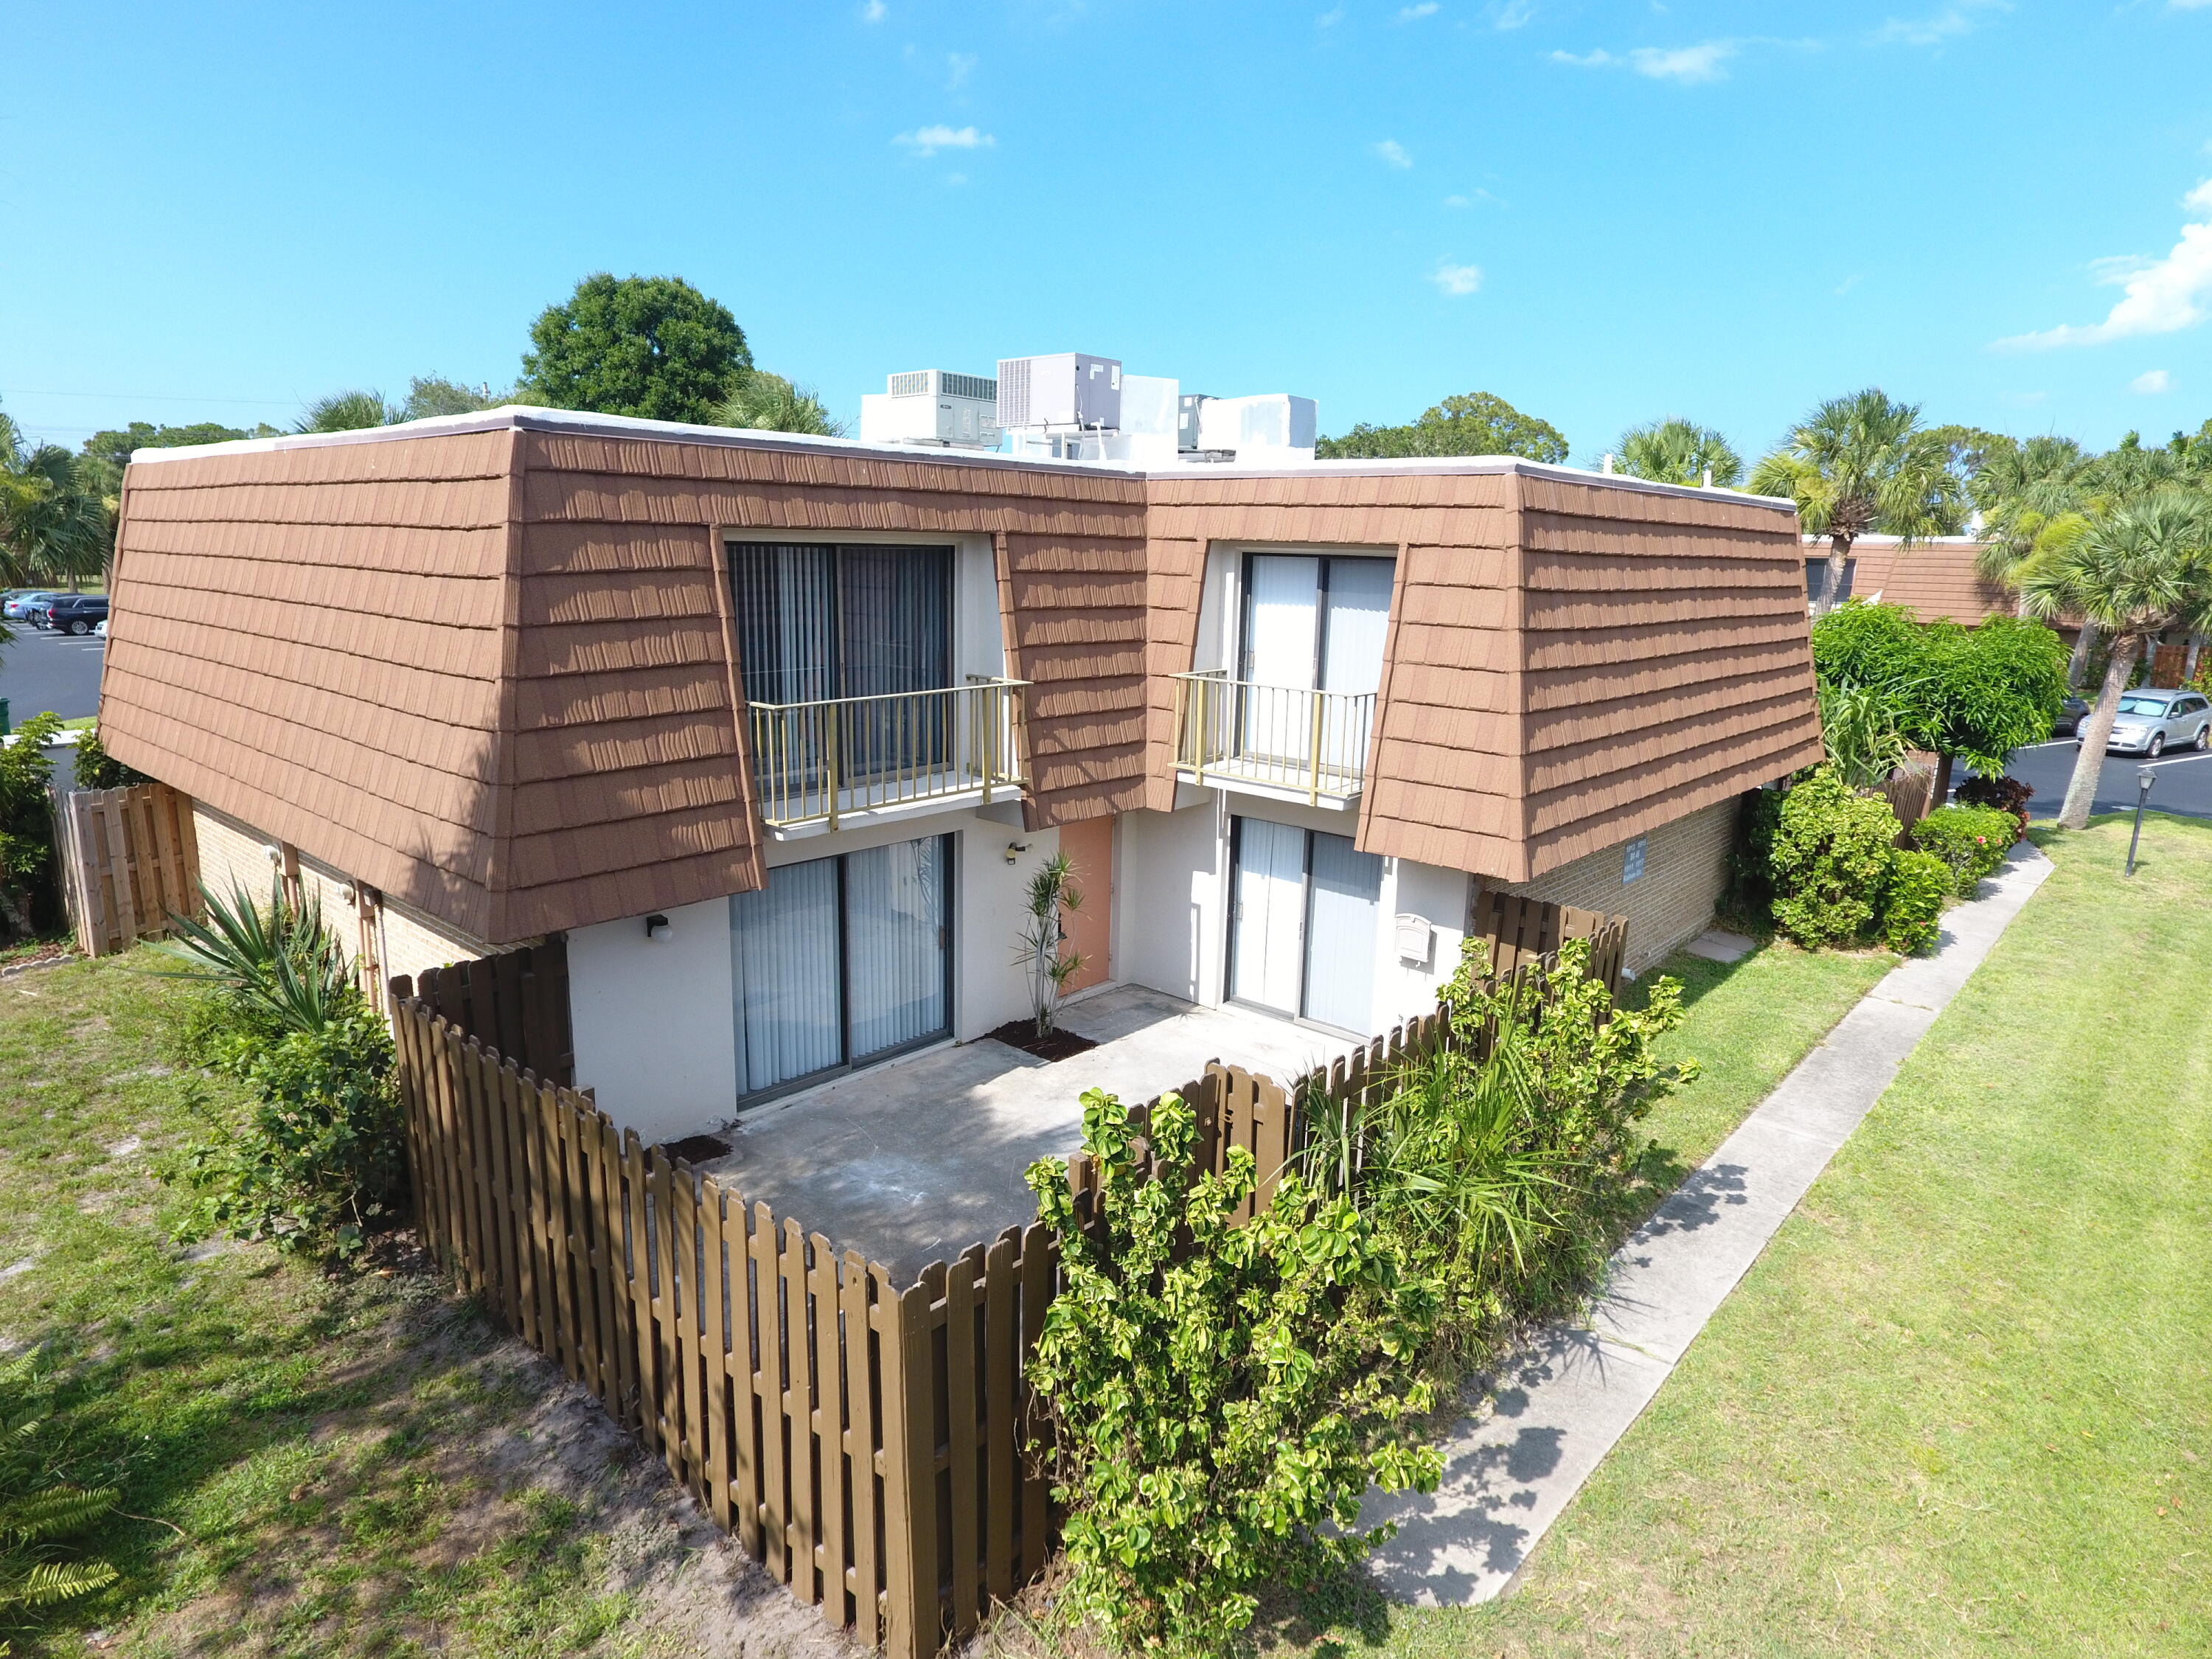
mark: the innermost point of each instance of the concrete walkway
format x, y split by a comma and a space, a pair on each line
1559, 1406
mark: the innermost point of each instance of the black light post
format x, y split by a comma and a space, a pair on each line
2144, 779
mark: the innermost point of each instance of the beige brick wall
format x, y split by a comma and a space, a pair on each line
1684, 869
232, 853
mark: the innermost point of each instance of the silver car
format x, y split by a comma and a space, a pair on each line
2152, 722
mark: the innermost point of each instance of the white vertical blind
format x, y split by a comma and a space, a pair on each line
1347, 905
1359, 621
784, 942
1281, 631
1270, 895
895, 934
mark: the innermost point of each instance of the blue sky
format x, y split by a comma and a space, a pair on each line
1604, 212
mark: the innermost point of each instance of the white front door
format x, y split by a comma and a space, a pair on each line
1269, 925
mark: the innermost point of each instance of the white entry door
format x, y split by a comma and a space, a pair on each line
1269, 925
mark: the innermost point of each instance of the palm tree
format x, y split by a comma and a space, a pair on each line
2034, 498
1675, 451
2134, 572
1864, 463
347, 411
768, 403
55, 525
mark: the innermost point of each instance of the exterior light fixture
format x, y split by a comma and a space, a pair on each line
2144, 779
1015, 849
658, 927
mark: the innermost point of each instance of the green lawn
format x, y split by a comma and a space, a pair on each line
1963, 1403
309, 1465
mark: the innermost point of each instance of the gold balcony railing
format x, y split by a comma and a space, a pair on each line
820, 761
1282, 737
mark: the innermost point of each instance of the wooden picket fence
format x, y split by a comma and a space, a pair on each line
516, 1001
865, 1440
128, 859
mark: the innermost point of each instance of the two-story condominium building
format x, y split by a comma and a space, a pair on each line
775, 731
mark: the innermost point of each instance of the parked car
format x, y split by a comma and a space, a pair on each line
75, 613
2071, 713
99, 629
36, 611
20, 601
2152, 722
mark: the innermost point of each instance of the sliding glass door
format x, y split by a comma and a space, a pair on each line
1305, 913
842, 961
1312, 623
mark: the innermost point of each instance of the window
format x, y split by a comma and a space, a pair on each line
841, 962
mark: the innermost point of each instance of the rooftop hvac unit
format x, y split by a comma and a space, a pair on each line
1273, 420
1069, 389
932, 406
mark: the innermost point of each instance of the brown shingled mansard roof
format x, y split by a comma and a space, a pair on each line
485, 664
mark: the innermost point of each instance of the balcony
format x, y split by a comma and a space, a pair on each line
1286, 742
817, 765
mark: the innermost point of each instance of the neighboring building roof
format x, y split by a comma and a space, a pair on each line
1934, 577
485, 662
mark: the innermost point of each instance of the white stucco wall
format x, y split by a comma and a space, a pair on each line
656, 1040
1405, 988
1169, 902
656, 1021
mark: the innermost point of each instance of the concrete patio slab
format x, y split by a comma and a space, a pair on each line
1518, 1458
913, 1160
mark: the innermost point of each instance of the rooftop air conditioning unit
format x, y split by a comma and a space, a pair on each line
932, 406
1071, 389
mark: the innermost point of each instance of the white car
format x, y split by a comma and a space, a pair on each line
2152, 722
99, 629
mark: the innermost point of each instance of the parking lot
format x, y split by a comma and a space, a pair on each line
2180, 783
41, 670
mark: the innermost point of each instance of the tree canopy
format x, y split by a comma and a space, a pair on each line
1977, 693
653, 347
1471, 423
1676, 451
55, 523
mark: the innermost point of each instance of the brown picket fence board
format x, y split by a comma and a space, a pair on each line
130, 860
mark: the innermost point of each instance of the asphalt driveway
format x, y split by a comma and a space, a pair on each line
41, 670
2181, 784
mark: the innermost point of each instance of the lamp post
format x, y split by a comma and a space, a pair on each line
2144, 779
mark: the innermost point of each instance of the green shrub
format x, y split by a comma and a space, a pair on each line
98, 769
1971, 841
317, 1163
2008, 795
28, 889
1497, 1177
1918, 884
1830, 860
1222, 1395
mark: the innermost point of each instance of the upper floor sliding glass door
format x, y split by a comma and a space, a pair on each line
1312, 623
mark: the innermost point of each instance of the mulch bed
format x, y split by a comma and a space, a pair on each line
1021, 1034
696, 1149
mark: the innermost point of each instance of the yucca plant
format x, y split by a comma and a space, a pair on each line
279, 963
39, 1515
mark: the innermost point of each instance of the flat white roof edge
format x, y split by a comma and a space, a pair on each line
531, 419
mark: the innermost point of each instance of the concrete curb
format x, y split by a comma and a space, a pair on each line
1561, 1402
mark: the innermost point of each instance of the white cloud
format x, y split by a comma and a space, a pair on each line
1414, 14
958, 66
1470, 198
1395, 152
2159, 297
1848, 283
1514, 14
1456, 280
1329, 20
2151, 382
955, 180
1686, 64
2189, 5
1935, 30
928, 141
874, 11
1683, 63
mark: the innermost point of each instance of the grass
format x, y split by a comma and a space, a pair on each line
309, 1465
1963, 1403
